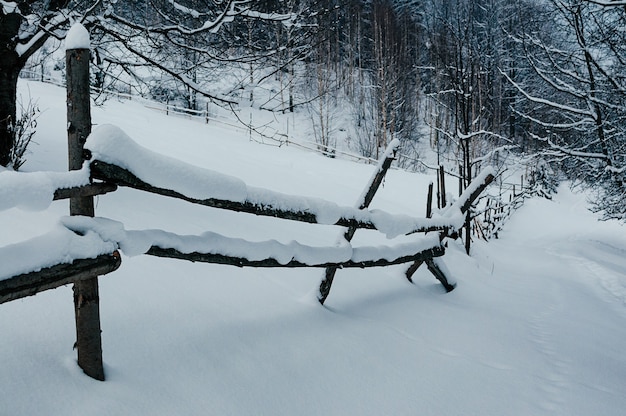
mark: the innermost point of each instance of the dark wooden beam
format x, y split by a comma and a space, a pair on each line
271, 262
93, 189
30, 284
372, 188
476, 193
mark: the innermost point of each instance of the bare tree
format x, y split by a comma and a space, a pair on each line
579, 97
24, 28
181, 40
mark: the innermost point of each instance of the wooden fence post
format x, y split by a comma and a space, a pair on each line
86, 300
429, 201
442, 184
363, 203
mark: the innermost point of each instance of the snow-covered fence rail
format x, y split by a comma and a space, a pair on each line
61, 256
60, 274
498, 208
118, 159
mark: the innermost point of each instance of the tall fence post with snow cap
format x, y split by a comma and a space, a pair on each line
86, 299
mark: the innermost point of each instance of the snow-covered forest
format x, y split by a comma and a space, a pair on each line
475, 80
285, 109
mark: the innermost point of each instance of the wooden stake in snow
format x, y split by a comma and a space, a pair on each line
463, 204
364, 202
86, 300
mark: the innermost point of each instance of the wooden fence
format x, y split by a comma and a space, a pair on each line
106, 176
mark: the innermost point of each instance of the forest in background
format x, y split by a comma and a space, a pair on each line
479, 81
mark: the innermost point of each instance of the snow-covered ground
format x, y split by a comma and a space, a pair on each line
536, 325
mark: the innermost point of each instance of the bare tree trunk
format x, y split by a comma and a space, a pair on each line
8, 87
10, 67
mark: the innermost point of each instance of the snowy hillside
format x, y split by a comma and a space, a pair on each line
536, 325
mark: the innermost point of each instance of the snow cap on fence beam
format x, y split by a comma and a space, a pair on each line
77, 37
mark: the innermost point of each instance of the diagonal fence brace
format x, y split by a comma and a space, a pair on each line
364, 201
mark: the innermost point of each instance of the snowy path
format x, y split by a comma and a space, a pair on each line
575, 283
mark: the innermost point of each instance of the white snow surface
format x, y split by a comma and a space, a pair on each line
59, 246
535, 326
110, 144
35, 190
77, 37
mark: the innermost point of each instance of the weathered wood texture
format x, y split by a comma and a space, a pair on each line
464, 208
86, 298
30, 284
442, 188
270, 262
122, 177
372, 188
467, 204
439, 274
85, 191
429, 201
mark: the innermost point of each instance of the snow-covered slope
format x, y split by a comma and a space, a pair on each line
536, 326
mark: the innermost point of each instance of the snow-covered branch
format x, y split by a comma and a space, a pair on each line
570, 152
229, 10
607, 3
549, 103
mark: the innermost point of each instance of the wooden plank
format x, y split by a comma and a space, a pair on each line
93, 189
270, 262
122, 177
434, 268
30, 284
372, 187
463, 205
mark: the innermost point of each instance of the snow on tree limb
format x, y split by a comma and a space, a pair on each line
607, 3
549, 103
9, 7
570, 152
229, 10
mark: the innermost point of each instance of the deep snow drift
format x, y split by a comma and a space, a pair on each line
536, 326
